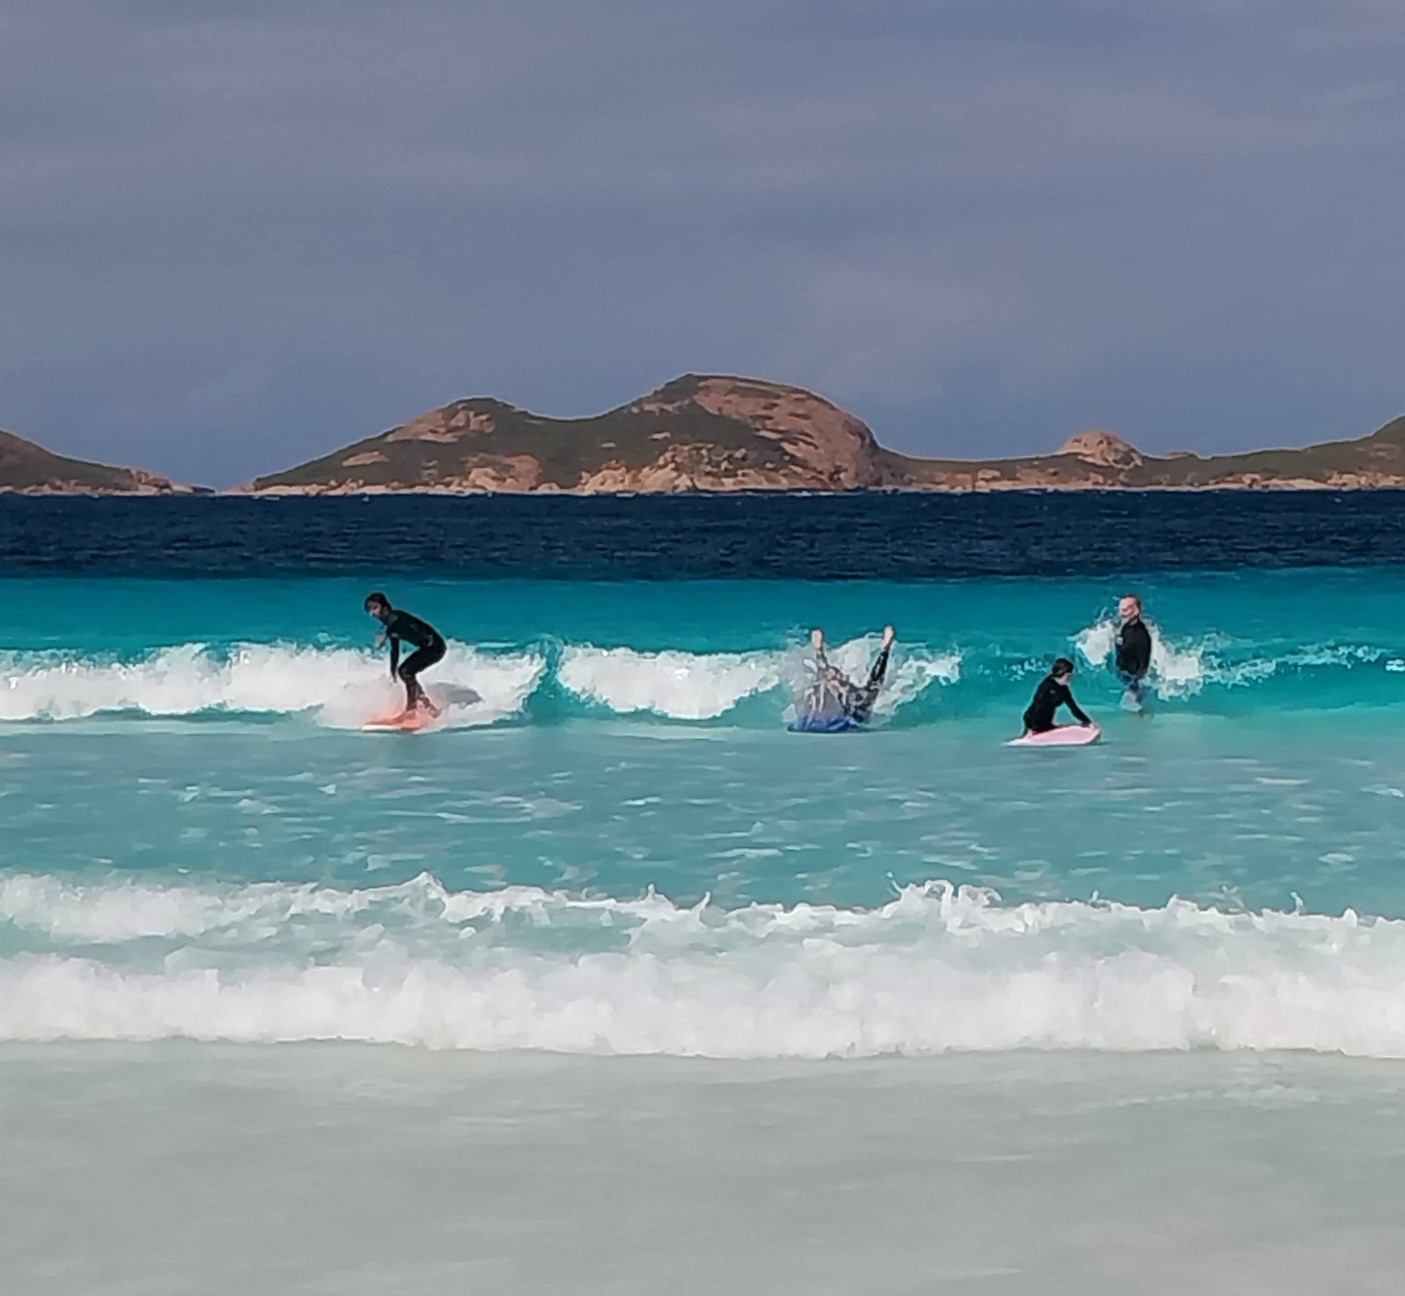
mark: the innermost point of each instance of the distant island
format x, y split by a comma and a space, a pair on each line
29, 469
716, 433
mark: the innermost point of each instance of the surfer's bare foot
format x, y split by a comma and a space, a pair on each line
889, 634
817, 640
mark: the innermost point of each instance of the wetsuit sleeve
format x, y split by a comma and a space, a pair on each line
1142, 653
1074, 708
880, 669
392, 633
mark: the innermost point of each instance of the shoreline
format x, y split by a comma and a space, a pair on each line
1257, 488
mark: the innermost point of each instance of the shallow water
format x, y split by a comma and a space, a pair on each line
323, 1168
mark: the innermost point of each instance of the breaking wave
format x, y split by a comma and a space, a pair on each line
344, 687
1183, 669
936, 969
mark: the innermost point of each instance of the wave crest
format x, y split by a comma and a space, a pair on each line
681, 685
938, 968
343, 685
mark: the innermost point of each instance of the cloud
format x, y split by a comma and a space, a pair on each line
238, 235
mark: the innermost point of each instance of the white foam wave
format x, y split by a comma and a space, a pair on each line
703, 686
1175, 671
681, 685
936, 969
343, 685
1182, 670
914, 669
1256, 669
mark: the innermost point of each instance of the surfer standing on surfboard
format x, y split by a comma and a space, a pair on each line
1052, 693
428, 643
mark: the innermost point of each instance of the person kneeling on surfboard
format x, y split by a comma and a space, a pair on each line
429, 648
1052, 693
833, 701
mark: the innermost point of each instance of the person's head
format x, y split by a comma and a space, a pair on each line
833, 674
378, 605
1129, 608
1062, 670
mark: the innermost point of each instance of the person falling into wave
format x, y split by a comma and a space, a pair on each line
1132, 651
1052, 693
833, 701
428, 644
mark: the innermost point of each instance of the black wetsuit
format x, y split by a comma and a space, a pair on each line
429, 648
831, 699
1133, 655
1048, 698
858, 702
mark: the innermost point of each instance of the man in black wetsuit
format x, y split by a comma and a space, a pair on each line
428, 643
1132, 655
833, 698
1052, 693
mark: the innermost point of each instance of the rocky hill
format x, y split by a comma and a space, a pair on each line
1104, 461
29, 469
696, 433
720, 433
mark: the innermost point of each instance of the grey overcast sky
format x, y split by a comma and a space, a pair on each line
236, 235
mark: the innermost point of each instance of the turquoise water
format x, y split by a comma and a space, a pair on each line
610, 984
613, 846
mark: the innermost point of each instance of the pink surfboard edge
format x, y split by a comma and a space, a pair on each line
390, 725
1061, 736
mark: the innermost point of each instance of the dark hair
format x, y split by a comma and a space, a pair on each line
376, 600
1061, 666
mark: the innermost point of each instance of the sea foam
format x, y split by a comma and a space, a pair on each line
343, 686
938, 968
1175, 670
705, 686
681, 685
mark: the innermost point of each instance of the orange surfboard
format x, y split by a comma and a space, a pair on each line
414, 722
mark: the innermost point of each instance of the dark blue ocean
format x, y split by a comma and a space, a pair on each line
742, 537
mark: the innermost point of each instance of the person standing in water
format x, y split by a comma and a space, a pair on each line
1052, 693
428, 644
1132, 651
833, 701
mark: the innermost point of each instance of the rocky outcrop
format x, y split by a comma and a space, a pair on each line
697, 433
1106, 449
712, 432
29, 469
719, 433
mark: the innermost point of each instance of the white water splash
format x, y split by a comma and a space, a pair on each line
1175, 671
937, 969
341, 686
680, 685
